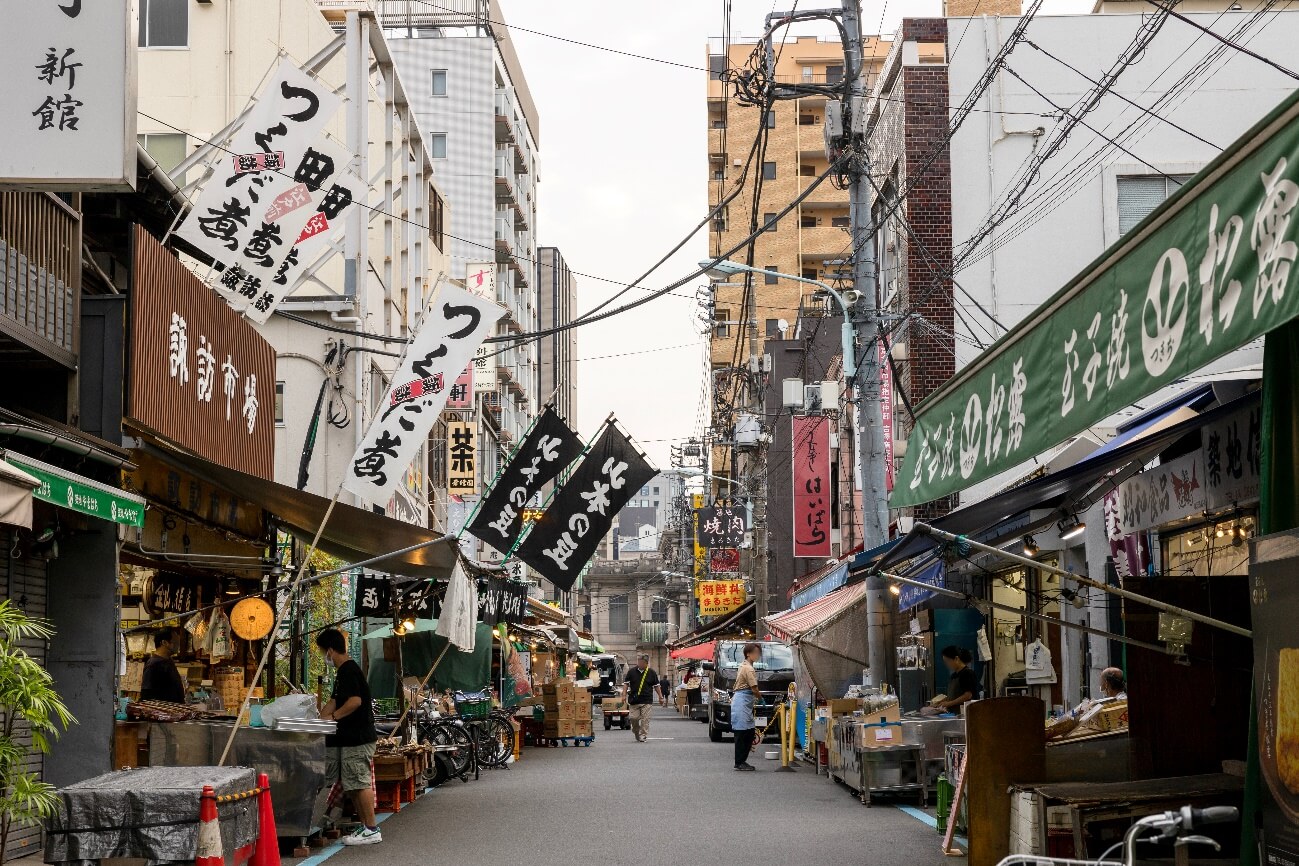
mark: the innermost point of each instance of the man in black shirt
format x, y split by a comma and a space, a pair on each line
642, 686
350, 751
161, 681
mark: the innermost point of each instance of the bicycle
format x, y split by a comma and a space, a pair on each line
1176, 827
490, 729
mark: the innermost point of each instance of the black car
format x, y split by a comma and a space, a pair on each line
775, 671
609, 671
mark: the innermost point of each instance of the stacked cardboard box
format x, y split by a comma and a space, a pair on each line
568, 710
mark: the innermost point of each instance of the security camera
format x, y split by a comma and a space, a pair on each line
851, 296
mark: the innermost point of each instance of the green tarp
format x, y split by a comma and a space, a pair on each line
468, 672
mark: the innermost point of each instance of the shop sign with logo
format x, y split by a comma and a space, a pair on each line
723, 560
82, 495
1168, 492
717, 597
462, 457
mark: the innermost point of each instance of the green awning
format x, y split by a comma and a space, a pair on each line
386, 631
1207, 272
589, 646
461, 671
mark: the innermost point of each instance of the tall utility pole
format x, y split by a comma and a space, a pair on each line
865, 314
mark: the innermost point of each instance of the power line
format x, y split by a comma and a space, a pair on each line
1225, 41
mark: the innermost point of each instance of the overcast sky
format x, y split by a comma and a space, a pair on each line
623, 172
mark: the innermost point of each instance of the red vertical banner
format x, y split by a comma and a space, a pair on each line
886, 412
811, 460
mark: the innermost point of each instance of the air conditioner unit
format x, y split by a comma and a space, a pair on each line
738, 163
747, 431
830, 396
792, 394
812, 398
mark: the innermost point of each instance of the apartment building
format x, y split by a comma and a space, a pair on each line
556, 306
473, 103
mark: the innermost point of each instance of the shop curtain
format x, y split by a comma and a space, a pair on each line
1278, 511
461, 671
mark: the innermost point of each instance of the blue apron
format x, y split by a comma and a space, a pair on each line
742, 711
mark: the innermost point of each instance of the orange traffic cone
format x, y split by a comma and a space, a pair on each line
267, 852
209, 831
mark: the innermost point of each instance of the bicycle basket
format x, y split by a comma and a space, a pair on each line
473, 706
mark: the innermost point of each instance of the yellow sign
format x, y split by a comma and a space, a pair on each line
717, 597
700, 569
462, 457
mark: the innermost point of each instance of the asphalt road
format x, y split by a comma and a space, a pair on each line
671, 801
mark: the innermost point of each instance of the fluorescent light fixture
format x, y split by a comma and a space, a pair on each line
1068, 531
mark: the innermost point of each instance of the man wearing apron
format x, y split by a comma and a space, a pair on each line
742, 703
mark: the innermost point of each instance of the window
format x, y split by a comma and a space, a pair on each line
716, 66
436, 224
841, 222
833, 74
167, 148
807, 170
279, 404
769, 223
439, 82
770, 279
619, 614
438, 145
656, 491
807, 222
768, 171
810, 273
807, 120
719, 174
771, 118
808, 74
719, 219
773, 329
659, 611
721, 323
164, 23
1139, 195
644, 491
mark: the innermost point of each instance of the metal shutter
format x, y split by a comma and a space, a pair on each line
25, 578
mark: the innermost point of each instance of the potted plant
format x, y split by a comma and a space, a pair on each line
26, 694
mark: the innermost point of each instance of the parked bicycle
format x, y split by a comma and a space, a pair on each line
1178, 828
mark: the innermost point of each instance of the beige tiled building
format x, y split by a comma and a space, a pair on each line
803, 241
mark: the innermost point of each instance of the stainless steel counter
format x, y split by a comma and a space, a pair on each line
294, 762
929, 731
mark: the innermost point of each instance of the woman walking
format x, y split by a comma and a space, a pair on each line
742, 703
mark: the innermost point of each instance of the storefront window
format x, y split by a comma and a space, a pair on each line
1214, 549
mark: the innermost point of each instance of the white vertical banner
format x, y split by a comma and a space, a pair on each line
453, 327
459, 620
263, 197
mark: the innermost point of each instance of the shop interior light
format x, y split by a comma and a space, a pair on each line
1220, 532
895, 588
232, 587
1072, 596
1238, 535
399, 629
1030, 546
408, 622
1071, 530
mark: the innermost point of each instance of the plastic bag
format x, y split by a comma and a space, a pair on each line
196, 625
220, 642
289, 707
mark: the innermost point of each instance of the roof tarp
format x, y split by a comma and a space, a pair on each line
719, 626
830, 636
700, 652
458, 671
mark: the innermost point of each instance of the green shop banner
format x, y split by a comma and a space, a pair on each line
1206, 273
83, 495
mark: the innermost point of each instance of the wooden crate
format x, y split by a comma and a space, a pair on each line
393, 768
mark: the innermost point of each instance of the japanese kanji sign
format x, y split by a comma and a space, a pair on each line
721, 526
277, 197
717, 597
886, 415
1168, 492
909, 596
812, 495
169, 592
1131, 552
462, 390
480, 278
547, 450
452, 328
462, 457
582, 512
373, 596
68, 103
1233, 454
1207, 272
501, 601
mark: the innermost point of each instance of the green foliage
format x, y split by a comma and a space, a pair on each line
27, 694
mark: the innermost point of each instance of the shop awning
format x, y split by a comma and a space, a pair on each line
1065, 486
791, 625
16, 488
545, 612
1134, 321
352, 534
700, 652
66, 489
587, 645
722, 625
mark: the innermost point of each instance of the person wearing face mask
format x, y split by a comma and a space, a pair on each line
349, 752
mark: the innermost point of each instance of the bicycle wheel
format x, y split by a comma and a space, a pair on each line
495, 739
451, 734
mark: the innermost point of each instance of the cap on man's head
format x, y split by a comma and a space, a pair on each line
643, 657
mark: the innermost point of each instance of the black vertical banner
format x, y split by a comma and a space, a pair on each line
582, 512
547, 450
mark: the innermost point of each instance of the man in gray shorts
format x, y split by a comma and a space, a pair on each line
349, 752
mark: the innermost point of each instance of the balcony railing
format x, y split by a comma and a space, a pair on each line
654, 633
504, 240
40, 273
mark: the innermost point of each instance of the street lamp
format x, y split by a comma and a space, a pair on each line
726, 268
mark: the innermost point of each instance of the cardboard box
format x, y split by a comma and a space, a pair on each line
1111, 716
891, 713
613, 704
559, 728
550, 702
843, 706
585, 728
567, 710
878, 736
581, 694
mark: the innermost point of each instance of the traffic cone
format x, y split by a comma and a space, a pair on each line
267, 852
209, 831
